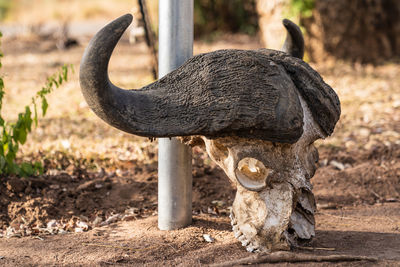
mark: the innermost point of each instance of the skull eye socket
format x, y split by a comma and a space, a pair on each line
252, 174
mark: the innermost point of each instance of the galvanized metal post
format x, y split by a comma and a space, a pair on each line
174, 158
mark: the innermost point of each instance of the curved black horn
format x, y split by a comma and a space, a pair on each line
105, 99
222, 93
127, 110
294, 43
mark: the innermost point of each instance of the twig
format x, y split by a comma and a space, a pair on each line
314, 248
283, 256
172, 247
376, 194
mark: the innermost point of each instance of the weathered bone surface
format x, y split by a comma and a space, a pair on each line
274, 206
257, 113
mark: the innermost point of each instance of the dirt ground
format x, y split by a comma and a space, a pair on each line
96, 205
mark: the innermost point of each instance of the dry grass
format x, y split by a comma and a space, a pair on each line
40, 11
370, 98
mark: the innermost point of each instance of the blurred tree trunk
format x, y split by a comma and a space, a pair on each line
357, 30
270, 15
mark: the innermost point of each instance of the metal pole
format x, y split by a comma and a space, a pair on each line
174, 158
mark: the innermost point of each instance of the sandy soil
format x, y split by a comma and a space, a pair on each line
97, 205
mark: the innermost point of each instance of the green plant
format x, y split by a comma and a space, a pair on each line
4, 8
301, 8
14, 134
213, 17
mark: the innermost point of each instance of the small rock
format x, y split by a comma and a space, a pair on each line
337, 165
82, 225
208, 238
53, 172
65, 144
52, 224
364, 132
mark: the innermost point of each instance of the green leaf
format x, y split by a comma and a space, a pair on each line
45, 105
11, 168
65, 72
16, 133
27, 168
22, 136
38, 167
28, 119
10, 155
35, 116
5, 146
2, 163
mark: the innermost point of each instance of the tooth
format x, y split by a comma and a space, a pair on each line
250, 249
244, 240
238, 233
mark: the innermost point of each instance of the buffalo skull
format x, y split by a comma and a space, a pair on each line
257, 112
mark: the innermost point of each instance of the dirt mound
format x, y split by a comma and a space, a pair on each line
75, 194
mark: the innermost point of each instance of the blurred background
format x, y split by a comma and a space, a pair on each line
354, 45
359, 30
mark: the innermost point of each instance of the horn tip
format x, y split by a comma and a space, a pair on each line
126, 19
287, 23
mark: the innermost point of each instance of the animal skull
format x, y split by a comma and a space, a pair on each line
274, 205
257, 112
